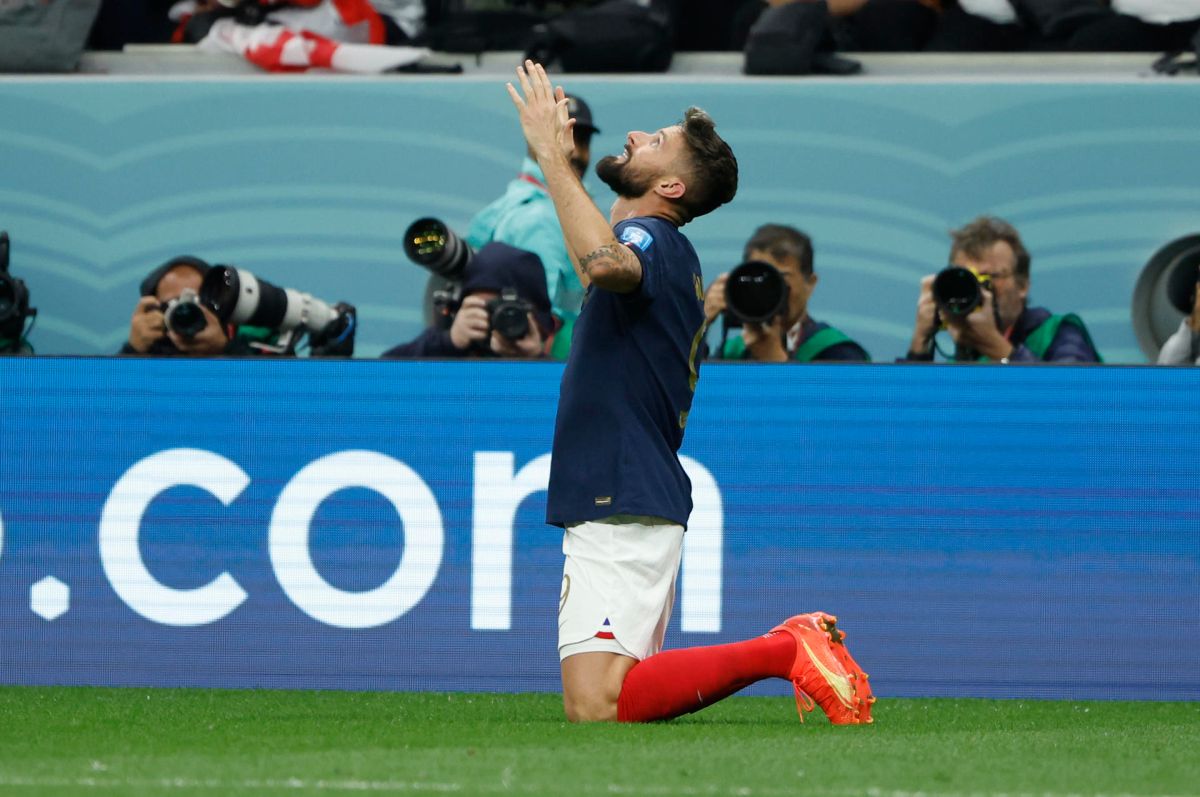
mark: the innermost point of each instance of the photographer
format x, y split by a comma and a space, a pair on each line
524, 217
498, 282
148, 329
1001, 328
15, 312
1183, 347
793, 335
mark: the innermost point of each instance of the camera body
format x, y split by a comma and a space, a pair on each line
508, 314
958, 291
183, 315
14, 300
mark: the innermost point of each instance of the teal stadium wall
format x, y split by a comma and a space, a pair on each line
311, 182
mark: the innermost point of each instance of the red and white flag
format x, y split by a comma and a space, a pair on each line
343, 35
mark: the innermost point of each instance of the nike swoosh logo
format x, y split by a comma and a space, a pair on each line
840, 683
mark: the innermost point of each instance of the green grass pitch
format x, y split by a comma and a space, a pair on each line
59, 740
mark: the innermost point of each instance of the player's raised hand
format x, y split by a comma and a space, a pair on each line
545, 121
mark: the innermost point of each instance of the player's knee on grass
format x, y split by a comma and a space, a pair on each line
592, 684
589, 707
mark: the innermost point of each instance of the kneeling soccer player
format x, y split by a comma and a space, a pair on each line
616, 483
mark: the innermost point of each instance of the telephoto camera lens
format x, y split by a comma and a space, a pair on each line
239, 297
755, 292
184, 317
509, 315
429, 243
957, 291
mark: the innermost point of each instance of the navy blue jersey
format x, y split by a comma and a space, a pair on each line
628, 387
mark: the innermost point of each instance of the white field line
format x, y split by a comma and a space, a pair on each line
504, 787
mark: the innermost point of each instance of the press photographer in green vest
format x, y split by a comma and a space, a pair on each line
980, 300
774, 325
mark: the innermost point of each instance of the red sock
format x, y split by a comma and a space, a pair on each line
677, 682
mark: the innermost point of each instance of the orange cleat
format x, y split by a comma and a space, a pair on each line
824, 672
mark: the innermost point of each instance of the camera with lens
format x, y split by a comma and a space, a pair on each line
14, 304
508, 314
755, 293
429, 243
183, 315
237, 296
957, 291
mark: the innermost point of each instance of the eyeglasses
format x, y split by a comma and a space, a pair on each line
1002, 275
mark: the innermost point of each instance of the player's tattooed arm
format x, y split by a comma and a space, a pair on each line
612, 267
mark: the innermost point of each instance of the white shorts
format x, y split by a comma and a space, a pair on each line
618, 585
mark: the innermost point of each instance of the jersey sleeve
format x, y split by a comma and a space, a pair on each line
640, 240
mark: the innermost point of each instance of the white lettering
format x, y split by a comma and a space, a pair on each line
292, 557
498, 495
121, 521
700, 598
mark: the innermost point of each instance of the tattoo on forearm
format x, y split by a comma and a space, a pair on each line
588, 261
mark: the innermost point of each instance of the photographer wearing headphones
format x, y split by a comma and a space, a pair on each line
501, 309
169, 319
980, 300
791, 335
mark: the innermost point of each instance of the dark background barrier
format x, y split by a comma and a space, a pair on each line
981, 531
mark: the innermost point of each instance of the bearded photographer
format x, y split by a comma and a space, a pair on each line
997, 325
149, 332
498, 283
792, 335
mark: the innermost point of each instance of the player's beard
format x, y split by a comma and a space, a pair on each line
623, 178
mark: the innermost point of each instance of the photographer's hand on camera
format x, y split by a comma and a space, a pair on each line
978, 331
714, 300
765, 341
927, 320
532, 345
471, 325
148, 326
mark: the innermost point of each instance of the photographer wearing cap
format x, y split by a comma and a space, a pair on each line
792, 335
165, 291
524, 217
987, 315
501, 310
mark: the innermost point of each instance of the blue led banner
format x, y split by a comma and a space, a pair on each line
981, 531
